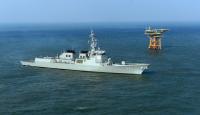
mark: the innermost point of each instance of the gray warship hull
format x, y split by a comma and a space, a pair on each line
134, 68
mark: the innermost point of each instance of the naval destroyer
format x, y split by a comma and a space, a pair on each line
94, 60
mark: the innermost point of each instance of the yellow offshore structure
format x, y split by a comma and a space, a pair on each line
155, 36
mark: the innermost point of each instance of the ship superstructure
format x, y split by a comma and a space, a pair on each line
94, 60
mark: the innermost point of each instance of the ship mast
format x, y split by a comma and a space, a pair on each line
93, 42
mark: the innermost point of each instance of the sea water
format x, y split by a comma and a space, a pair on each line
170, 86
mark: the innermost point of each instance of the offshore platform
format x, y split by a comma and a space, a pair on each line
155, 36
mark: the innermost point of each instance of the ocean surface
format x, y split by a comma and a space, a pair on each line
171, 86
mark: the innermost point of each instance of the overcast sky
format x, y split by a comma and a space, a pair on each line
66, 11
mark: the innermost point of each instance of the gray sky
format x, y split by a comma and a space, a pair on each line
66, 11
